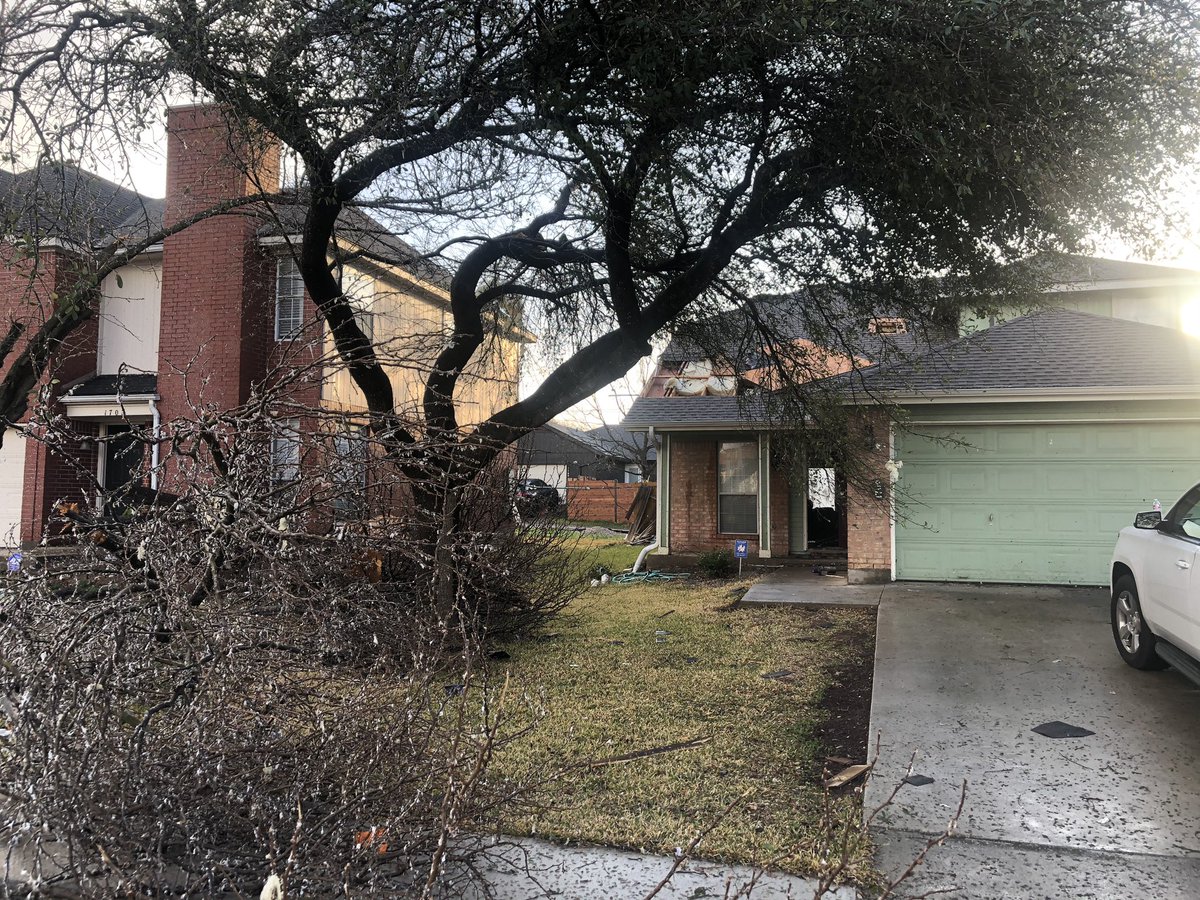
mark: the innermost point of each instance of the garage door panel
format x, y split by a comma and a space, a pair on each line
1021, 442
1066, 441
1033, 503
921, 482
1117, 440
967, 478
1162, 440
1064, 482
1018, 479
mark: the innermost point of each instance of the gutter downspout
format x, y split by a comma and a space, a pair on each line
155, 426
641, 556
637, 566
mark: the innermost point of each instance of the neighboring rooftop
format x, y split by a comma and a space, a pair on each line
360, 229
63, 202
1071, 269
620, 440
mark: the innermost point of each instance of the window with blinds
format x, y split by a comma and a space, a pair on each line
285, 451
737, 487
289, 300
351, 451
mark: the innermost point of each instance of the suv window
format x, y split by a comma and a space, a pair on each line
1186, 515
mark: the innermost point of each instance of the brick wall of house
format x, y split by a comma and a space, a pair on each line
217, 284
29, 291
694, 501
868, 519
780, 500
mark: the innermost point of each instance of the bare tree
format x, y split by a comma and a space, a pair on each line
251, 682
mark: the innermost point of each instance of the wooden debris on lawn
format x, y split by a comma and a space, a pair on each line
847, 775
652, 751
642, 516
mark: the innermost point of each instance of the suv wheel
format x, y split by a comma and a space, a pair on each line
1135, 640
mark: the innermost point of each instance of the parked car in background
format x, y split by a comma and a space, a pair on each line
535, 497
1155, 607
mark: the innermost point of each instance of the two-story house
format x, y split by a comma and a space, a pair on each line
197, 320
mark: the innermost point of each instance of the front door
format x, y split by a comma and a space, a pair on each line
122, 462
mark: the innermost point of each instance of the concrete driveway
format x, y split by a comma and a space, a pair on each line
962, 675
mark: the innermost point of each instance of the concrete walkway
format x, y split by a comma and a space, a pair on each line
798, 586
529, 869
962, 675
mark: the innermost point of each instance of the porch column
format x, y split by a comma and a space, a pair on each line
764, 495
662, 495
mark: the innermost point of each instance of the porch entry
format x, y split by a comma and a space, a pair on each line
816, 510
119, 464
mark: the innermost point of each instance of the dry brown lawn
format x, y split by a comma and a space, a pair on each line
605, 683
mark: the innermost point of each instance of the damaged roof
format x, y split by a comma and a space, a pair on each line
1048, 350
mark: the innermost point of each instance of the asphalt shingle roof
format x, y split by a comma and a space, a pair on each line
786, 317
59, 201
65, 202
364, 231
1066, 268
683, 412
1051, 349
619, 440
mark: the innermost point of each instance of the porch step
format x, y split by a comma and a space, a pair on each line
832, 557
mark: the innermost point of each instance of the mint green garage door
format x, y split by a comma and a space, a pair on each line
1034, 504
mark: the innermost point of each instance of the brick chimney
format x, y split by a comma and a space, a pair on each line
217, 283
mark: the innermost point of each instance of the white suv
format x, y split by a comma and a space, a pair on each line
1156, 588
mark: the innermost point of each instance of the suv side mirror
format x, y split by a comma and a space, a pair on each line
1150, 519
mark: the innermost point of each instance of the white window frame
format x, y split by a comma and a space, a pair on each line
361, 300
289, 290
351, 451
757, 486
286, 437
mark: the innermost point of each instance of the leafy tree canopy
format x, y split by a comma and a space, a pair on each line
626, 168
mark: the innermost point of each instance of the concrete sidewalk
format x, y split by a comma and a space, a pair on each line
530, 869
798, 586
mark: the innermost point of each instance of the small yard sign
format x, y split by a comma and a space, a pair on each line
741, 549
14, 563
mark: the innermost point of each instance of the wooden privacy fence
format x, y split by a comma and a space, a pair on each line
600, 501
